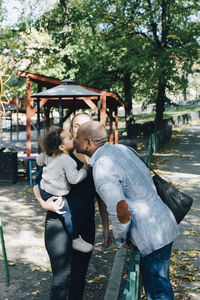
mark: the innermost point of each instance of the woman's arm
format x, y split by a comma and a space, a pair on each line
105, 223
51, 203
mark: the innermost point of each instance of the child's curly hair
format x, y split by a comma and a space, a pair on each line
51, 141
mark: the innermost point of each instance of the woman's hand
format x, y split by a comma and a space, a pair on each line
54, 204
86, 167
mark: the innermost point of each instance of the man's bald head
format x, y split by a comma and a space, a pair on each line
94, 131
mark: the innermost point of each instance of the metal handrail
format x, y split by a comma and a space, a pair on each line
4, 253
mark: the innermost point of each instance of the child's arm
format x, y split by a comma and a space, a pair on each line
73, 175
40, 160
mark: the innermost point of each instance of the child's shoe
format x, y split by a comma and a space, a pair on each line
80, 245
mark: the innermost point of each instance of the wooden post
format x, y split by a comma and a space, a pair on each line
11, 124
28, 118
116, 126
99, 108
60, 110
103, 110
38, 117
17, 128
111, 125
74, 105
46, 116
38, 123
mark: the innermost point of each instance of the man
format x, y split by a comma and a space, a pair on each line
125, 185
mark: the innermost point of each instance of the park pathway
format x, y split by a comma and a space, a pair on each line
23, 224
179, 162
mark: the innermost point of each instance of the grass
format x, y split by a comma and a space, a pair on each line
147, 117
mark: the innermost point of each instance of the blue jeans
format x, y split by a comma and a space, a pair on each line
155, 274
67, 218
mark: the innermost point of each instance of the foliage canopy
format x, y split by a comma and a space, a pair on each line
143, 49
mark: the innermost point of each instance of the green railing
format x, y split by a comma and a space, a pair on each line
156, 141
133, 286
4, 253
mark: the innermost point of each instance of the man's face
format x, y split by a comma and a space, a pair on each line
80, 143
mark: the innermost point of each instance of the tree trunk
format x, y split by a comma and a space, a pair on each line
160, 104
128, 98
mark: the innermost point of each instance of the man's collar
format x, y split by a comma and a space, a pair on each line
94, 156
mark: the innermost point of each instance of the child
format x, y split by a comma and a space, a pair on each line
59, 171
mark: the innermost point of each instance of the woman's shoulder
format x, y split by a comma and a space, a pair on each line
76, 159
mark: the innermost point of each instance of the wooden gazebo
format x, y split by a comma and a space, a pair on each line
67, 94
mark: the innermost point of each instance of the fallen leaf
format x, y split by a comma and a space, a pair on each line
190, 232
96, 279
36, 293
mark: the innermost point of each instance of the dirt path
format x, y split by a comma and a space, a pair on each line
23, 225
30, 276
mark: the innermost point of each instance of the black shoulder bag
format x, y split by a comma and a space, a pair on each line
178, 202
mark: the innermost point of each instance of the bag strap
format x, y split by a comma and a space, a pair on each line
135, 152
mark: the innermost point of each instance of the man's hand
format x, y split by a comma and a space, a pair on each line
127, 244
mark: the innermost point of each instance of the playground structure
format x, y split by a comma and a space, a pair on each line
68, 99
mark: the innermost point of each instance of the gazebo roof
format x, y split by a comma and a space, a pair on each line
113, 99
69, 90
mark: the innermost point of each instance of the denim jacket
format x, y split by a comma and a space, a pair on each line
120, 175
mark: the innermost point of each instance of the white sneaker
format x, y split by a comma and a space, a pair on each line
81, 245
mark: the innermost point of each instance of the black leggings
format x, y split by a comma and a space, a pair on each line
69, 267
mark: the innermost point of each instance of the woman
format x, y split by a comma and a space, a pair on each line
69, 267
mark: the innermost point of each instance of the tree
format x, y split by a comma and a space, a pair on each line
140, 48
136, 47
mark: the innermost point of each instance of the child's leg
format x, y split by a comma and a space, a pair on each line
67, 219
44, 194
77, 242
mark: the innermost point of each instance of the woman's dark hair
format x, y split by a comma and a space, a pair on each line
51, 141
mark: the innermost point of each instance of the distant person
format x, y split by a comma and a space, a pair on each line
59, 172
69, 267
137, 213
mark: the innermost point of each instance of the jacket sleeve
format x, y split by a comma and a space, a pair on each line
108, 184
73, 175
41, 159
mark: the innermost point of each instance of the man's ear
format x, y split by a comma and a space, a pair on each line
90, 145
